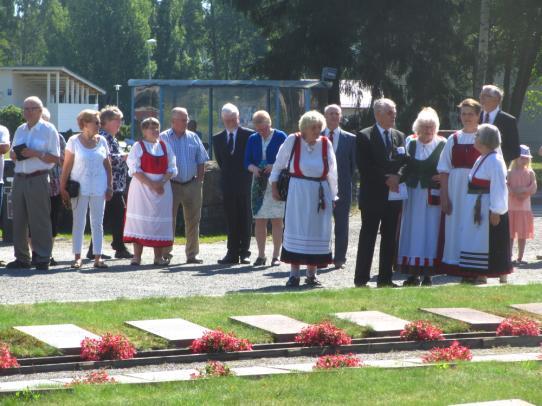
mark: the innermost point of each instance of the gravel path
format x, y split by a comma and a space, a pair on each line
121, 280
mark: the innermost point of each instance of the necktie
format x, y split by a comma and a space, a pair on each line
486, 118
388, 143
331, 136
230, 143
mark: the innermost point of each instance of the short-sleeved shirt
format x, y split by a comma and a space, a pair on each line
189, 153
88, 168
119, 169
42, 137
4, 139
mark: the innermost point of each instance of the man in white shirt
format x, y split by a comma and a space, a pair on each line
35, 151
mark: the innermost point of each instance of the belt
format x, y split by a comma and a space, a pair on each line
31, 175
183, 183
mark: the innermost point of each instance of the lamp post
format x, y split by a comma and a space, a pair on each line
150, 42
117, 88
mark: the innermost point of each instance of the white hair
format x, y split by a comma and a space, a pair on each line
45, 114
493, 91
383, 104
34, 99
489, 135
179, 110
310, 118
229, 109
333, 107
427, 116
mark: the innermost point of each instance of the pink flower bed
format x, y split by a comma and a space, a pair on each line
518, 326
421, 330
213, 368
108, 347
219, 341
454, 352
337, 361
323, 334
6, 359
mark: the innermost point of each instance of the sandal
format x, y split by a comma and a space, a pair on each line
161, 261
100, 265
135, 262
76, 264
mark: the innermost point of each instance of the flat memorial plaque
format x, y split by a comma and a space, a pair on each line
381, 323
65, 337
258, 371
178, 331
282, 328
474, 318
535, 308
165, 376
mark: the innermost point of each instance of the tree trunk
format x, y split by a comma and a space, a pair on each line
483, 40
508, 72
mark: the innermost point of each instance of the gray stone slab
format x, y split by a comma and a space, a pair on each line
30, 384
474, 318
282, 328
304, 367
178, 331
520, 357
507, 402
165, 376
257, 371
535, 308
381, 323
65, 337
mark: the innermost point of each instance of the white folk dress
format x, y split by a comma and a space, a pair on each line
456, 159
149, 219
307, 228
420, 221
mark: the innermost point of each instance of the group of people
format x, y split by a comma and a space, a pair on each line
441, 205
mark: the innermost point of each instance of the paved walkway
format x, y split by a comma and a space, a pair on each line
121, 280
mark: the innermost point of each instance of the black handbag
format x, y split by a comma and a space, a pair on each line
283, 183
73, 188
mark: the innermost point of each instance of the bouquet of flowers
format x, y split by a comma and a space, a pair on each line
109, 346
219, 341
454, 352
518, 326
323, 334
421, 330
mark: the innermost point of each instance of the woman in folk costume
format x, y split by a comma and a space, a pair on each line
312, 190
420, 220
485, 234
151, 164
454, 166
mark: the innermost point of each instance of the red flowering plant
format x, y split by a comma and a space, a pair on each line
337, 361
213, 368
6, 359
108, 347
454, 352
93, 378
421, 330
219, 341
518, 326
323, 334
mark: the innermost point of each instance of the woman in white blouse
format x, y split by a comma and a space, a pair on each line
151, 164
86, 161
311, 195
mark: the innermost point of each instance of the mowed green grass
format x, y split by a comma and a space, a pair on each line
366, 386
213, 312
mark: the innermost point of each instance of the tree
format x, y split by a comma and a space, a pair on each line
11, 117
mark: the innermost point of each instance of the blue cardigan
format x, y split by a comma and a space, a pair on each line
253, 151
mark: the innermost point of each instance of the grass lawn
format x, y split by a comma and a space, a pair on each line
212, 312
203, 239
366, 386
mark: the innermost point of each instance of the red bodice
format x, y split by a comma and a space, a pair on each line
297, 155
154, 164
463, 155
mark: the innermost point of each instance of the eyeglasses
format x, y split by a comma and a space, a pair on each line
31, 108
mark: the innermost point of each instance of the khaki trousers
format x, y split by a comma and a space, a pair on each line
32, 211
190, 197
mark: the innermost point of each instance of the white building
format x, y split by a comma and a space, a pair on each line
63, 92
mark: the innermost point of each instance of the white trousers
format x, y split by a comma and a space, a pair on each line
79, 209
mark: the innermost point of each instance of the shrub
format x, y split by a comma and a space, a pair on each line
454, 352
93, 378
421, 330
219, 341
11, 117
518, 326
323, 334
6, 359
108, 347
337, 361
213, 368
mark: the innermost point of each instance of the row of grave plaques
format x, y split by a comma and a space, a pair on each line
67, 337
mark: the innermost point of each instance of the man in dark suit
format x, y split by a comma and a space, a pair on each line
229, 147
344, 145
490, 99
381, 159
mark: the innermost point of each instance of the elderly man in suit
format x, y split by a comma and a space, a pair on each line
344, 145
490, 99
229, 147
381, 159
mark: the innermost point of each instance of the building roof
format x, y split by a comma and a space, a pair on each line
30, 70
301, 84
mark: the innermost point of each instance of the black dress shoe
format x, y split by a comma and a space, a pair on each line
18, 265
313, 281
260, 261
427, 281
361, 284
122, 254
52, 262
293, 282
244, 260
412, 281
386, 285
229, 260
42, 266
194, 260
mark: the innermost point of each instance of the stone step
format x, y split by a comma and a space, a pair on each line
476, 319
381, 323
65, 337
177, 331
535, 308
282, 328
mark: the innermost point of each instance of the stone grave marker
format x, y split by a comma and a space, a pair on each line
381, 323
474, 318
282, 328
65, 337
164, 376
258, 371
177, 331
535, 308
